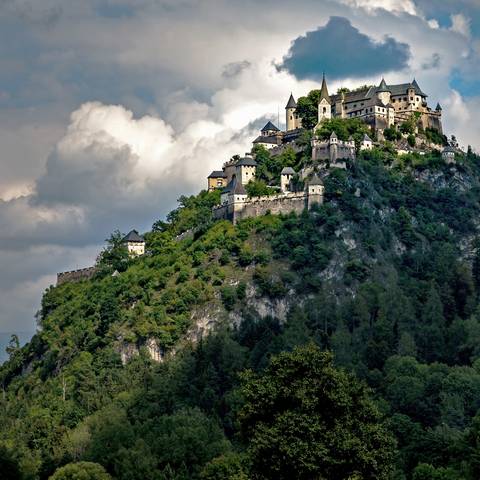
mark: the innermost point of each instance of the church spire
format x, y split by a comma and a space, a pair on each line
291, 102
324, 91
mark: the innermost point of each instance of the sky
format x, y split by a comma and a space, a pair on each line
112, 109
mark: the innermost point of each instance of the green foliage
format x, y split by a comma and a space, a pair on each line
114, 256
269, 168
344, 128
81, 471
434, 136
307, 109
411, 140
8, 465
426, 472
392, 134
258, 188
410, 125
304, 419
227, 467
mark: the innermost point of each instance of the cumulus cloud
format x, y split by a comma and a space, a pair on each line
343, 51
460, 24
111, 169
402, 6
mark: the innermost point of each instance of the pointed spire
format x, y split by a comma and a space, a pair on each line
383, 86
291, 102
438, 108
324, 91
333, 135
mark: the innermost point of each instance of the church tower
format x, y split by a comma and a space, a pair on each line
290, 111
324, 104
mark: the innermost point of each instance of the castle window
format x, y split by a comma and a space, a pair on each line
324, 109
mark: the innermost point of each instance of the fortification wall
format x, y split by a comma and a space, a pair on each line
76, 275
257, 206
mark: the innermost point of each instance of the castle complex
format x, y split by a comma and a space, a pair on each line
379, 107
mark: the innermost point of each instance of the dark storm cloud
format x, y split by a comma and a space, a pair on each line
341, 50
235, 68
433, 62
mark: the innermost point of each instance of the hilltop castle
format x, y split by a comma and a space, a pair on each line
379, 107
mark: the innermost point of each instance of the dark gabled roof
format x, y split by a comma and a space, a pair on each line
133, 236
239, 189
438, 107
218, 174
246, 162
383, 86
229, 186
315, 180
266, 139
324, 91
291, 102
269, 127
287, 171
417, 88
402, 88
356, 96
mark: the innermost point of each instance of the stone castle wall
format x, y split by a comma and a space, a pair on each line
257, 206
76, 275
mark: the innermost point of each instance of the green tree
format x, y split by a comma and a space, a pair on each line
305, 419
114, 256
81, 471
9, 469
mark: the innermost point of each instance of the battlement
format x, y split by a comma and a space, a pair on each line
76, 275
284, 203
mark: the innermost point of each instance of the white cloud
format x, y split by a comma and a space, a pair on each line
400, 6
460, 24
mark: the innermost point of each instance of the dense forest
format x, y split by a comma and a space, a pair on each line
342, 343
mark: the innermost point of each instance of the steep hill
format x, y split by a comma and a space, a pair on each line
139, 371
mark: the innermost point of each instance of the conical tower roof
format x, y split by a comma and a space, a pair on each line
315, 180
291, 102
324, 91
383, 86
438, 108
270, 127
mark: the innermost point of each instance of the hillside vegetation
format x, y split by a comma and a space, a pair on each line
385, 275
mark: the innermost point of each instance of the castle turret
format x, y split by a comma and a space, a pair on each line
367, 143
286, 176
135, 243
290, 112
315, 189
383, 92
245, 169
438, 108
324, 103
